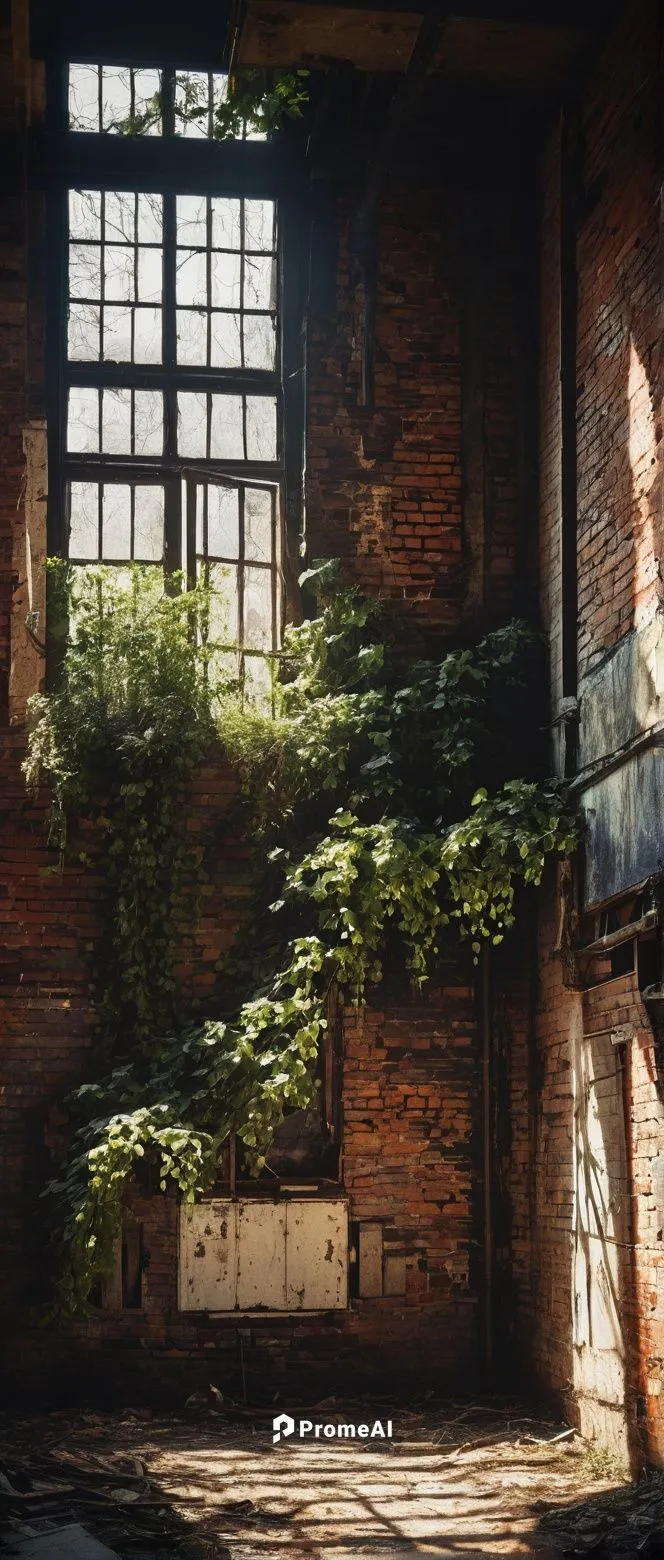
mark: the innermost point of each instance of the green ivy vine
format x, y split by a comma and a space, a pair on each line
253, 103
384, 812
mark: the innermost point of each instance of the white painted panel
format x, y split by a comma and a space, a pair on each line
316, 1255
261, 1266
208, 1256
250, 1254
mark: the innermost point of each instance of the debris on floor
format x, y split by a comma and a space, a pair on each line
468, 1479
621, 1524
65, 1543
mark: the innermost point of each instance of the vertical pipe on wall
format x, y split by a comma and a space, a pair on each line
569, 180
487, 1162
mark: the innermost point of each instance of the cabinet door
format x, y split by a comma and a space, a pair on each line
208, 1256
261, 1264
316, 1256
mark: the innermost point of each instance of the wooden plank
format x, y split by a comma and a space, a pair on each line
294, 33
371, 1261
289, 33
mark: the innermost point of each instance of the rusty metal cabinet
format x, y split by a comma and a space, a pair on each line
244, 1254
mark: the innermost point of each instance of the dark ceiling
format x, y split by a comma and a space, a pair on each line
193, 32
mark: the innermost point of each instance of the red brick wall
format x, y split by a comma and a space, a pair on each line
384, 491
410, 1104
13, 322
384, 484
619, 454
620, 381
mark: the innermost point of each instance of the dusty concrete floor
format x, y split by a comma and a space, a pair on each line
459, 1480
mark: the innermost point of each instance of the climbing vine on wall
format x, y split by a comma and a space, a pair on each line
383, 808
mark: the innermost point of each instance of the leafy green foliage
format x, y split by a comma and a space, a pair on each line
255, 103
385, 814
131, 719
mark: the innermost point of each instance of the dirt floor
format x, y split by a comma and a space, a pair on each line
459, 1479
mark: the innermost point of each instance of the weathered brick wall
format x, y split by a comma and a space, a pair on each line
52, 920
619, 338
384, 483
383, 491
619, 517
13, 320
410, 1103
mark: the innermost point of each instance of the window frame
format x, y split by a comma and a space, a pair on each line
171, 165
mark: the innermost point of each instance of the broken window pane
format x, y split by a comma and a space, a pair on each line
84, 520
84, 97
258, 608
222, 628
260, 341
258, 680
116, 521
192, 423
117, 334
225, 281
149, 219
226, 436
119, 284
116, 422
259, 225
259, 282
191, 279
148, 422
226, 223
119, 217
115, 96
224, 318
149, 279
192, 103
258, 525
191, 220
148, 524
85, 271
226, 341
147, 335
192, 336
147, 112
85, 214
84, 333
83, 420
261, 428
223, 522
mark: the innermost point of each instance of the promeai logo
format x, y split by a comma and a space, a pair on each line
307, 1429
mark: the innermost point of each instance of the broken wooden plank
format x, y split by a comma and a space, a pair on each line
289, 33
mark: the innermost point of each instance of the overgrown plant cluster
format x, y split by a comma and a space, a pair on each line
249, 103
381, 807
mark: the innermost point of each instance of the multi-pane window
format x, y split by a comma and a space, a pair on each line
112, 99
172, 442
